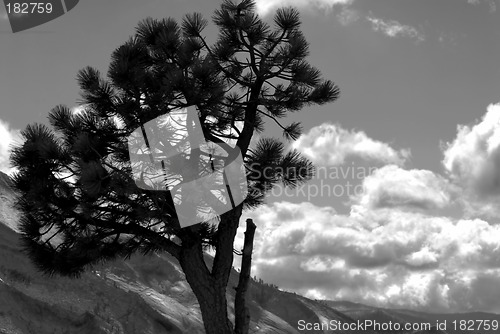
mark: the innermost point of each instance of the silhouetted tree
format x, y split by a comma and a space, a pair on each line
79, 200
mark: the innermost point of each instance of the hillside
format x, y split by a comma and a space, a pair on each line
363, 312
141, 295
150, 295
8, 216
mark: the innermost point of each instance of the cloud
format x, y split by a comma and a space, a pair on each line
347, 16
387, 257
395, 29
8, 137
473, 157
264, 7
491, 3
330, 144
79, 109
392, 187
82, 108
472, 160
422, 257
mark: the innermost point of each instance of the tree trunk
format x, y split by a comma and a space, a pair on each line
208, 286
213, 305
210, 293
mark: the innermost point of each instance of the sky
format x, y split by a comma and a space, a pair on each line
403, 211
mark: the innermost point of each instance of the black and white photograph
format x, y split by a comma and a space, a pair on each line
250, 166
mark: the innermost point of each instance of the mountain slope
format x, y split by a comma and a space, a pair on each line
150, 295
8, 216
445, 320
140, 295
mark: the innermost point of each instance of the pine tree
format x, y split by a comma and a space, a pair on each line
79, 201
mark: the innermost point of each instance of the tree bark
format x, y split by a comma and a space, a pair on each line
209, 286
241, 311
211, 294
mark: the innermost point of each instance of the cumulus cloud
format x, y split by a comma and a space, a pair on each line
472, 160
8, 137
422, 257
393, 249
473, 157
264, 7
391, 186
394, 29
330, 144
387, 257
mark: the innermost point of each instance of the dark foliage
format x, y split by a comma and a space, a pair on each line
79, 201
